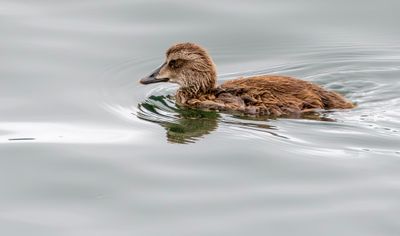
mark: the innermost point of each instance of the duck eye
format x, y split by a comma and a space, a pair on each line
175, 63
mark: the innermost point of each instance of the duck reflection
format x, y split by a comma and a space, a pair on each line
191, 126
186, 125
182, 125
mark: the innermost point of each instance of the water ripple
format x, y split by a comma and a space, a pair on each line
367, 77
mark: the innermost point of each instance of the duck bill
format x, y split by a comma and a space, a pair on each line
152, 78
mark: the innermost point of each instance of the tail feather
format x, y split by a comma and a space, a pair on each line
333, 100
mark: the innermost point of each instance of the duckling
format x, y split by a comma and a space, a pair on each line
190, 66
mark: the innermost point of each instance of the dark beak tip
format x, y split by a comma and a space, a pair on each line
148, 80
142, 81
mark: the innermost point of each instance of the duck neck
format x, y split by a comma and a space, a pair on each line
198, 87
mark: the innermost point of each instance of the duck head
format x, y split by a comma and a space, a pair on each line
187, 65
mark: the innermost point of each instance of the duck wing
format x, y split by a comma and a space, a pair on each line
282, 94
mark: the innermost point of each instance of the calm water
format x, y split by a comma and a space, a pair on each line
86, 150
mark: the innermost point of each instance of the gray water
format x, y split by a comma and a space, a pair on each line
86, 150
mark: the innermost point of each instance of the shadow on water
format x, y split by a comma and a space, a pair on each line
185, 125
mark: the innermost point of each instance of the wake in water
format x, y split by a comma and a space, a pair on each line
365, 76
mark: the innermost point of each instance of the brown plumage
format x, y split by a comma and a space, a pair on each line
190, 66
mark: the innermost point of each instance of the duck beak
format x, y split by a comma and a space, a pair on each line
152, 78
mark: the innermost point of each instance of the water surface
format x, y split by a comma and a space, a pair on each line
86, 150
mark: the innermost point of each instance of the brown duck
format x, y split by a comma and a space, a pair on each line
190, 66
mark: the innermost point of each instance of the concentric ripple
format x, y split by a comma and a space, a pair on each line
368, 77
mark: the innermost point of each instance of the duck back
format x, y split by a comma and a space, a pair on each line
277, 95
